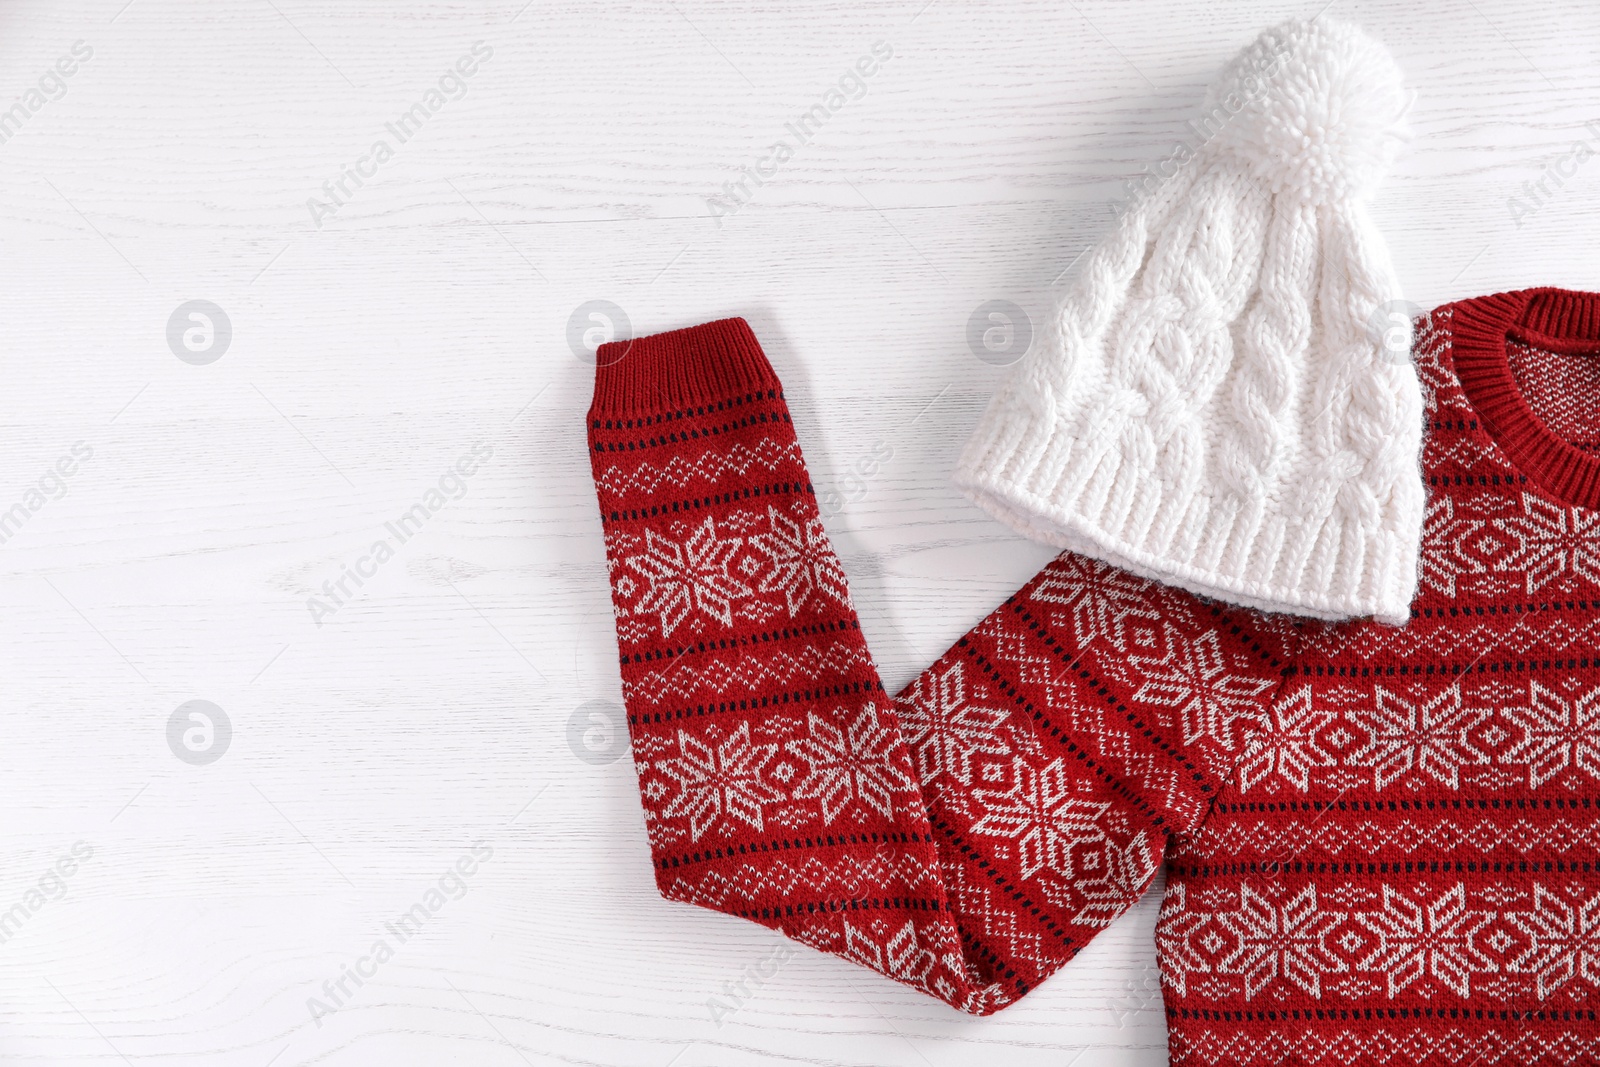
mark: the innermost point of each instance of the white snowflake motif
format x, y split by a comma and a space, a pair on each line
1438, 537
1097, 597
1191, 675
1458, 546
1048, 823
802, 561
1556, 734
1424, 937
1288, 743
1564, 941
727, 779
1177, 927
1286, 940
861, 762
1110, 876
1431, 736
944, 730
901, 955
1553, 541
689, 576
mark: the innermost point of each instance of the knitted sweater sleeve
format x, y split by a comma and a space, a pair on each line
1089, 719
967, 838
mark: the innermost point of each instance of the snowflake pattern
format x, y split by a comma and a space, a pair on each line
1185, 942
1419, 937
901, 955
1431, 735
1111, 874
714, 780
1362, 839
1461, 549
1280, 940
1289, 743
1557, 734
1553, 542
1190, 675
1468, 543
1438, 558
945, 729
1563, 940
802, 562
689, 576
862, 762
1398, 944
1049, 825
1098, 599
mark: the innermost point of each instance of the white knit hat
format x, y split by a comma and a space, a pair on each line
1212, 407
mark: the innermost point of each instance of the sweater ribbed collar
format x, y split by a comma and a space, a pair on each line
1558, 320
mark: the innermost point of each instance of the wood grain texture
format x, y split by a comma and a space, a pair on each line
428, 315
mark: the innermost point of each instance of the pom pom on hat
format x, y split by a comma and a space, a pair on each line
1210, 406
1318, 110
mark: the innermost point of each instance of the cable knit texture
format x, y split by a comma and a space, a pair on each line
1213, 406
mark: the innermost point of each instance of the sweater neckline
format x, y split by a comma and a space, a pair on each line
1560, 320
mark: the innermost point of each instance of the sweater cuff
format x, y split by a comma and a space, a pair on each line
680, 369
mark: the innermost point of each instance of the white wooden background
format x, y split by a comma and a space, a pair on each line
428, 315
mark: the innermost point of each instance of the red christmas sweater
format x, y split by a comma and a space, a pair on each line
1382, 845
